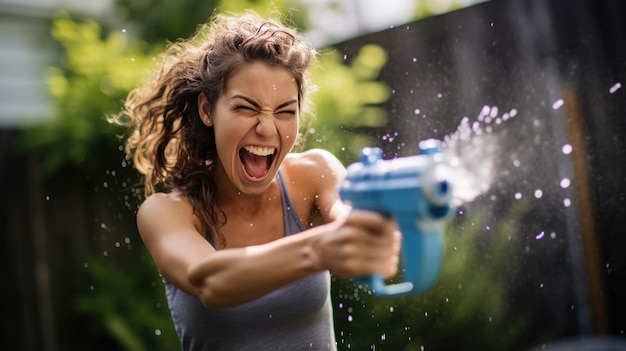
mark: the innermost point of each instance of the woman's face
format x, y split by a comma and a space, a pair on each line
255, 120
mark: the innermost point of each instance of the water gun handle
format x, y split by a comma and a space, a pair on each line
421, 255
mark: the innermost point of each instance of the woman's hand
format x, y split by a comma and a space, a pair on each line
362, 243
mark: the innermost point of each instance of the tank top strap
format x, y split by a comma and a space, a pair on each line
292, 223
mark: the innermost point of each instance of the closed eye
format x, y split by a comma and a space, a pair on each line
286, 115
287, 112
246, 109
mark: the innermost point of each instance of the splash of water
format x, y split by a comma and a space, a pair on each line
472, 151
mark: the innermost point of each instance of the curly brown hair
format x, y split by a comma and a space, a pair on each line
168, 143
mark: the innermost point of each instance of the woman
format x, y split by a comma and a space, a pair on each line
243, 231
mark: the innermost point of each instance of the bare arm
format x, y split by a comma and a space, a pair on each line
225, 277
350, 244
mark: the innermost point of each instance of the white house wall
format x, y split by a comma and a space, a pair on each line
26, 51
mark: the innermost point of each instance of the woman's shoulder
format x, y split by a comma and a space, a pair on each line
313, 159
158, 204
313, 165
161, 212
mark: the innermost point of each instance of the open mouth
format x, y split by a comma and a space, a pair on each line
257, 160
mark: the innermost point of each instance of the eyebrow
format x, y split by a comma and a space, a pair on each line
256, 104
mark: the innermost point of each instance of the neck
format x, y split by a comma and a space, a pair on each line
230, 198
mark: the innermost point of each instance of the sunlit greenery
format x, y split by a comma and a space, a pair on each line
94, 77
348, 100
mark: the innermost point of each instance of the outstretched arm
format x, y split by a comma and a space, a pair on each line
352, 243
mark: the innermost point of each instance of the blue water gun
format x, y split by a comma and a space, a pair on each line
417, 193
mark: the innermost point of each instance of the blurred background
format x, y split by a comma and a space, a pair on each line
536, 261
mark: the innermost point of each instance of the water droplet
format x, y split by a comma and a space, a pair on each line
350, 318
123, 30
557, 104
417, 111
565, 183
552, 235
485, 111
518, 196
615, 87
538, 193
494, 112
566, 149
157, 332
47, 198
567, 202
414, 59
540, 236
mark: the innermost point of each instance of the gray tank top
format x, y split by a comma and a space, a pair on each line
295, 317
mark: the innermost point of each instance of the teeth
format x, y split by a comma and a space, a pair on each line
260, 151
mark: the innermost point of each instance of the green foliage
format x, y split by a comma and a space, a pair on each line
156, 20
95, 76
348, 101
466, 309
128, 303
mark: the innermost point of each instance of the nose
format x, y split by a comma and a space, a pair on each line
266, 126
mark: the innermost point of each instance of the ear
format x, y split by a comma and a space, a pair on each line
204, 110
